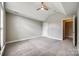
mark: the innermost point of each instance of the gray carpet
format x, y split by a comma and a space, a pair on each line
41, 46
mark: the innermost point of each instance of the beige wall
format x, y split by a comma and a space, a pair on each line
20, 28
53, 26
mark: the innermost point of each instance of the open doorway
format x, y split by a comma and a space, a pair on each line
70, 30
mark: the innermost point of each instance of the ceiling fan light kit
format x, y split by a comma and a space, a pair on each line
43, 7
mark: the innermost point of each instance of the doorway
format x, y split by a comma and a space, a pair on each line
70, 30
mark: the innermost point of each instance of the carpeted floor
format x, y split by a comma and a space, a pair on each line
41, 46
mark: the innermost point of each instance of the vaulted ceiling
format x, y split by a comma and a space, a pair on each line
70, 7
28, 9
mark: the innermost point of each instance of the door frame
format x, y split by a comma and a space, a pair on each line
64, 25
75, 29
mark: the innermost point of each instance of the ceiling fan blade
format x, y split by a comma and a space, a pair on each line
38, 8
46, 8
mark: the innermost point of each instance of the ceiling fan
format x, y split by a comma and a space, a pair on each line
43, 6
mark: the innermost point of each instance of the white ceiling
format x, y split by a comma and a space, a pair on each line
70, 7
28, 9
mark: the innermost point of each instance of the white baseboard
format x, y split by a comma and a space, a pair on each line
2, 50
53, 38
22, 39
69, 36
